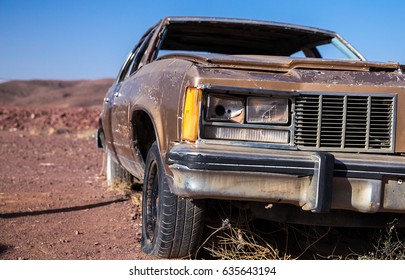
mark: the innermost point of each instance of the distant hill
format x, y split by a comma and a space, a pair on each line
54, 93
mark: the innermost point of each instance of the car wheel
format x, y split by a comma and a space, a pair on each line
171, 226
115, 173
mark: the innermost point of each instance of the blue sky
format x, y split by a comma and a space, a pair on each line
83, 39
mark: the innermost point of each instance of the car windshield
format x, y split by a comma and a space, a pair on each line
241, 38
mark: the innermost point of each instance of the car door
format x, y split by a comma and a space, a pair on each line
120, 103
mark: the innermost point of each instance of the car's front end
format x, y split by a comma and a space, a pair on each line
323, 140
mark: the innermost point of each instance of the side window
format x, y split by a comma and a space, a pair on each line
125, 67
133, 61
138, 55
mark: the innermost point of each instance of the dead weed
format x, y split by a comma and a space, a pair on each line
238, 237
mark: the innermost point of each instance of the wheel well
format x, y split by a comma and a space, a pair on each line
143, 132
100, 138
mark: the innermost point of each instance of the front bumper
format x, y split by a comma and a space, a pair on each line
315, 181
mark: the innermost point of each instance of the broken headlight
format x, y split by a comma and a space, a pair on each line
267, 110
247, 118
225, 108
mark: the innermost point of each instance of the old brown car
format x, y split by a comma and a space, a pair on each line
290, 121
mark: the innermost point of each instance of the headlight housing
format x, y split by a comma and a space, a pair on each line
247, 117
225, 108
267, 110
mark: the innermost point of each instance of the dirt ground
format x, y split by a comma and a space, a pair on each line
54, 203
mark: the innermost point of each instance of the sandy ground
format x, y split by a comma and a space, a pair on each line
54, 203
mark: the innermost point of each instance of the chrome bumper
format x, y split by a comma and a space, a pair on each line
315, 181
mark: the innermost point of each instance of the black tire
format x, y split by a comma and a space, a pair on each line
115, 173
171, 226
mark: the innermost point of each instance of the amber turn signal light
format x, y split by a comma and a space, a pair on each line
191, 114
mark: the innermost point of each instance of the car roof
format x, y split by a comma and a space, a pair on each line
239, 36
223, 20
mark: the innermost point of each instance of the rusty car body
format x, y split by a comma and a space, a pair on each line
290, 120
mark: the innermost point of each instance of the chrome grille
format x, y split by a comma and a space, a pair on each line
344, 121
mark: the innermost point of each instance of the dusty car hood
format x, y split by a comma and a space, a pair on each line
283, 64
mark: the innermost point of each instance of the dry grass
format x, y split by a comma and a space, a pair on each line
235, 238
122, 187
128, 191
238, 238
388, 246
231, 242
236, 241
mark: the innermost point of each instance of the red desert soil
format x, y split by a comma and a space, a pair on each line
54, 203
